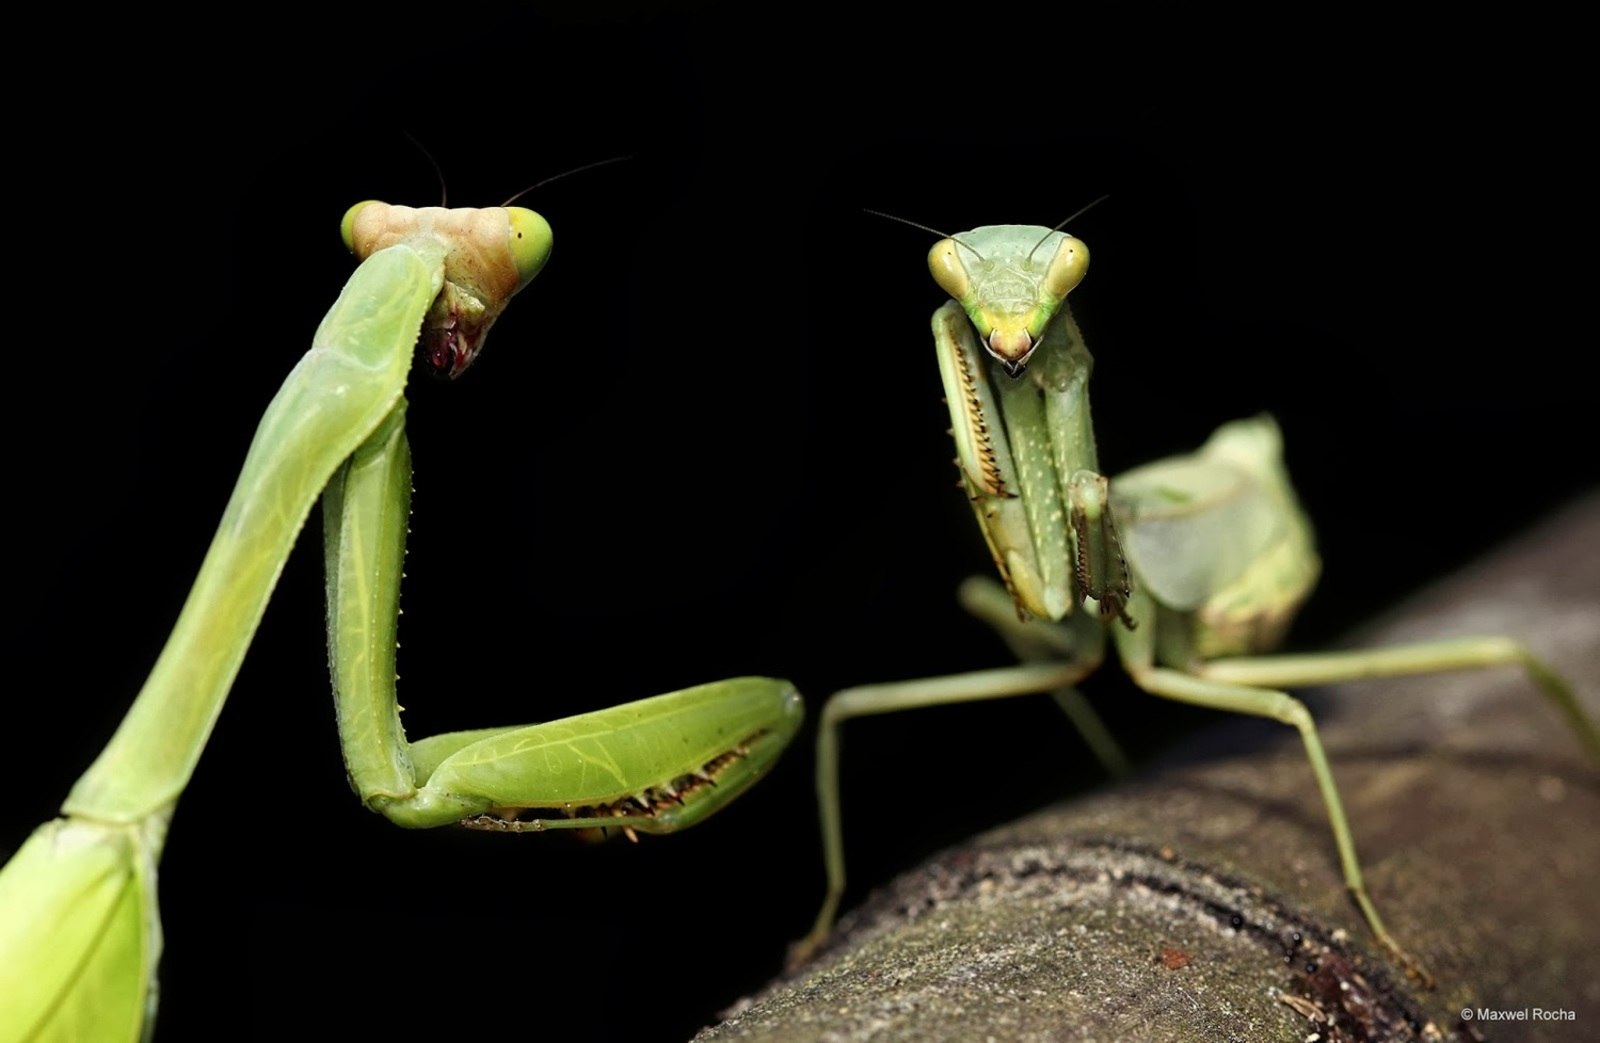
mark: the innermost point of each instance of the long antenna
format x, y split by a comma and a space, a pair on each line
913, 224
922, 227
567, 173
1075, 215
438, 172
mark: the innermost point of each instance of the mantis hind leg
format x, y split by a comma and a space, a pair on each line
1425, 658
1285, 708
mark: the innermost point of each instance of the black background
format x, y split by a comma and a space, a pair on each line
708, 441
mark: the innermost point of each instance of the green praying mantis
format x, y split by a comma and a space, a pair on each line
80, 934
1192, 567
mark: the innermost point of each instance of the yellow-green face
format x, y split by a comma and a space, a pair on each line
1010, 280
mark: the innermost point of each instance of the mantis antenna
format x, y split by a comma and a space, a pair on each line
567, 173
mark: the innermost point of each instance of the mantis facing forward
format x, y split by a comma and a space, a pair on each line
1194, 565
79, 930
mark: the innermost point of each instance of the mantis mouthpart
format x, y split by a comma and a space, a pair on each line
80, 933
1193, 566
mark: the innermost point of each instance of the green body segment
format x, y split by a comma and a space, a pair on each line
988, 472
1219, 541
654, 765
341, 390
79, 934
365, 512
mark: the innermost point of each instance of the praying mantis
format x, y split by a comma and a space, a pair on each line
1191, 567
80, 935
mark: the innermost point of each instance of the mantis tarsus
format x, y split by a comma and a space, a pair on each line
79, 930
1194, 566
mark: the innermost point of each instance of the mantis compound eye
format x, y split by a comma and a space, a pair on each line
347, 225
531, 241
1067, 268
945, 265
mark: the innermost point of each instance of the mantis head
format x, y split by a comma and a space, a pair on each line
1010, 280
489, 255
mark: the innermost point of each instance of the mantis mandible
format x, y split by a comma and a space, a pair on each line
80, 934
1194, 565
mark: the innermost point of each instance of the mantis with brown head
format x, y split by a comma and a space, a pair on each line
80, 934
1192, 567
